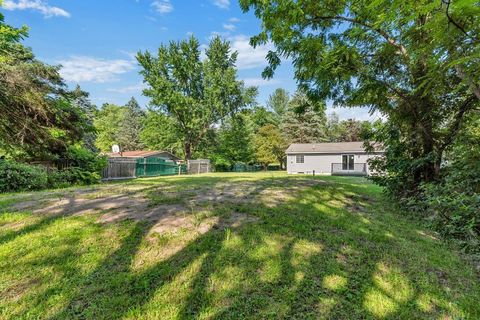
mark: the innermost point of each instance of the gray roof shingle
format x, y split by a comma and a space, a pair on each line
327, 147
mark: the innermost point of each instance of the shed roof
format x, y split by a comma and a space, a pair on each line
140, 154
327, 147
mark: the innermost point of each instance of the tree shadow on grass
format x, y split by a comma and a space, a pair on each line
302, 259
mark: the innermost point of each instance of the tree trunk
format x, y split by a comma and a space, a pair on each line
188, 151
438, 164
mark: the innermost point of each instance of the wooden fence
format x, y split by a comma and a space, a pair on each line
119, 168
128, 168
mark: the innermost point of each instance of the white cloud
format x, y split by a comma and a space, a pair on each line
36, 5
354, 113
222, 4
90, 69
229, 26
234, 20
249, 57
220, 34
162, 6
260, 82
128, 89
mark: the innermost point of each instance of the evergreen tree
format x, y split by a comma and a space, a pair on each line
346, 130
130, 127
334, 129
305, 121
38, 117
81, 100
278, 102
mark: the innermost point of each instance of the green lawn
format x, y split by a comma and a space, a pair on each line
225, 246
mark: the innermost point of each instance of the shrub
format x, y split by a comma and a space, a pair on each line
84, 167
451, 203
454, 213
76, 175
16, 176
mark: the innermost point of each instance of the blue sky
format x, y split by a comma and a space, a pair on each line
95, 41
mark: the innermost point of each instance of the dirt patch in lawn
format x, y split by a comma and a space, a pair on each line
166, 207
16, 291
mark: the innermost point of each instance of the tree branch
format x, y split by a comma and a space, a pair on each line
451, 20
455, 127
381, 32
462, 75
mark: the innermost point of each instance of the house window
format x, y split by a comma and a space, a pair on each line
300, 158
348, 162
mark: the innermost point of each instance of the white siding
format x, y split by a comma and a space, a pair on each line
321, 163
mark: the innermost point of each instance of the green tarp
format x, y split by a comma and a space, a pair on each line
151, 167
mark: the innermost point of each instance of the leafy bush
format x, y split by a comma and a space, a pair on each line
221, 164
454, 213
81, 167
451, 203
16, 176
75, 175
84, 166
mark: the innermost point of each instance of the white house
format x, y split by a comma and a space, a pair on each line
348, 158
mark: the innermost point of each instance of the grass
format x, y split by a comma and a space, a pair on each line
281, 247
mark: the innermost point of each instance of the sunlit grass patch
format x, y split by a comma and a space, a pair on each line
379, 304
312, 255
8, 217
334, 282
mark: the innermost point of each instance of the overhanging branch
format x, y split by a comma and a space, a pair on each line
379, 31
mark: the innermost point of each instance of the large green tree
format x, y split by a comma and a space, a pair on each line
107, 121
261, 117
270, 146
122, 125
416, 62
82, 102
131, 126
278, 102
347, 130
38, 116
197, 93
305, 120
235, 141
160, 133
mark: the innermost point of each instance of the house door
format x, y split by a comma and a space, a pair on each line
348, 162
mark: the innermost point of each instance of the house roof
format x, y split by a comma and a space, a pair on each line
327, 147
140, 154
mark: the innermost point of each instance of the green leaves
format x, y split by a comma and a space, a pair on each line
270, 146
195, 93
417, 62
